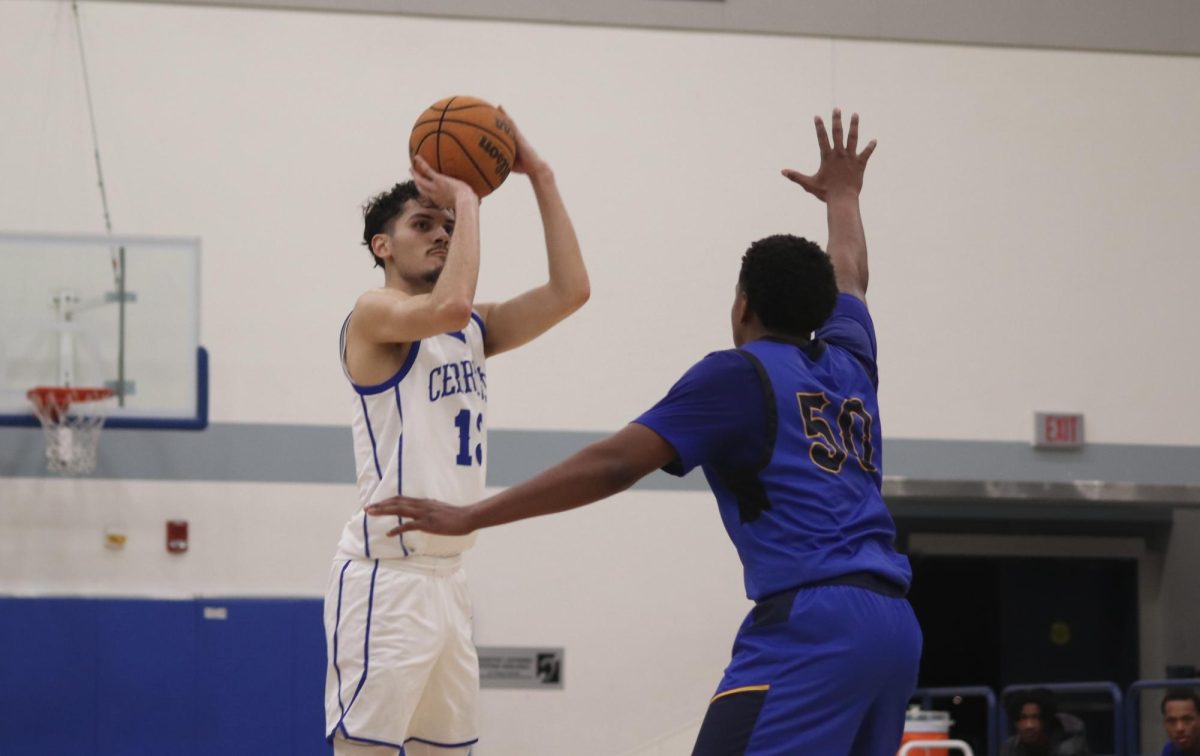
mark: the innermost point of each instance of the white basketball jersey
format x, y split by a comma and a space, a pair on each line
421, 433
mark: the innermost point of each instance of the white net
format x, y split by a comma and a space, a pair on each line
72, 421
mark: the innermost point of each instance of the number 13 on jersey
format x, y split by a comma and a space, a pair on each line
462, 421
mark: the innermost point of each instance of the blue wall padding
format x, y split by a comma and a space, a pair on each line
112, 677
48, 700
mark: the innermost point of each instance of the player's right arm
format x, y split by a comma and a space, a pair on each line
838, 182
717, 411
596, 472
387, 316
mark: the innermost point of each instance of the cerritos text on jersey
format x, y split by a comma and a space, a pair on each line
464, 377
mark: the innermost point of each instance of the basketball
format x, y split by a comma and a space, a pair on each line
468, 139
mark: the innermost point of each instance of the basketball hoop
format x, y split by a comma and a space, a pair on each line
71, 436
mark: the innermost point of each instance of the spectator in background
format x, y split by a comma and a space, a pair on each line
1042, 730
1181, 718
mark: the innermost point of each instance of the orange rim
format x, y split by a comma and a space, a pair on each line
62, 397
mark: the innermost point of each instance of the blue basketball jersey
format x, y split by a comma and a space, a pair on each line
788, 436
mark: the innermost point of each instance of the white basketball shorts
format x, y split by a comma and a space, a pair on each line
401, 662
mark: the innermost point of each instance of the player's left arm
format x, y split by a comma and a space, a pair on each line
523, 318
717, 410
838, 183
596, 472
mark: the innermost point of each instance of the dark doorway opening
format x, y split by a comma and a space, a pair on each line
1001, 621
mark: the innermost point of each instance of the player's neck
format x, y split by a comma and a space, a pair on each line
786, 337
752, 329
751, 332
757, 334
393, 280
747, 328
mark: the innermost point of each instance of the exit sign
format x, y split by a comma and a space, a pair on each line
1057, 431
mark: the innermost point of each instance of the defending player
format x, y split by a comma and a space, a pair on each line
786, 429
403, 675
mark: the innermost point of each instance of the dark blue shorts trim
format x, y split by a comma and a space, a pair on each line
729, 723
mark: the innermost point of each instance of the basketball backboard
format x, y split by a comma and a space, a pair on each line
68, 317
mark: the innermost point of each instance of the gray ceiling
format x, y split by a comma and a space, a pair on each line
1146, 26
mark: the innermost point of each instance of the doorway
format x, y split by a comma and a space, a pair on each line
1010, 620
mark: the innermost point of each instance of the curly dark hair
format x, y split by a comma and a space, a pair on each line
382, 209
789, 284
1180, 694
1046, 702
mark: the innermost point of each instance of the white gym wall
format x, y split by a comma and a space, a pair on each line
1031, 218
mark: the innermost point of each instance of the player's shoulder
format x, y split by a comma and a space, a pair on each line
850, 334
721, 370
852, 304
378, 297
849, 325
734, 359
374, 306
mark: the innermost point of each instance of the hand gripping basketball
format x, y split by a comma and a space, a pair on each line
468, 139
438, 188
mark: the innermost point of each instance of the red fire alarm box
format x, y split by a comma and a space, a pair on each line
177, 536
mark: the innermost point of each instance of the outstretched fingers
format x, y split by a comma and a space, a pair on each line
405, 527
865, 155
397, 505
841, 162
428, 515
852, 142
808, 183
822, 137
401, 506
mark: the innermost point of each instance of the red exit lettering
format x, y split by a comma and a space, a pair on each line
1062, 430
1058, 430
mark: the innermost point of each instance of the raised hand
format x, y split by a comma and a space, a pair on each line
842, 165
424, 514
527, 161
438, 188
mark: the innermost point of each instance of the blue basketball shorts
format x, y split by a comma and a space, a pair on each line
825, 670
